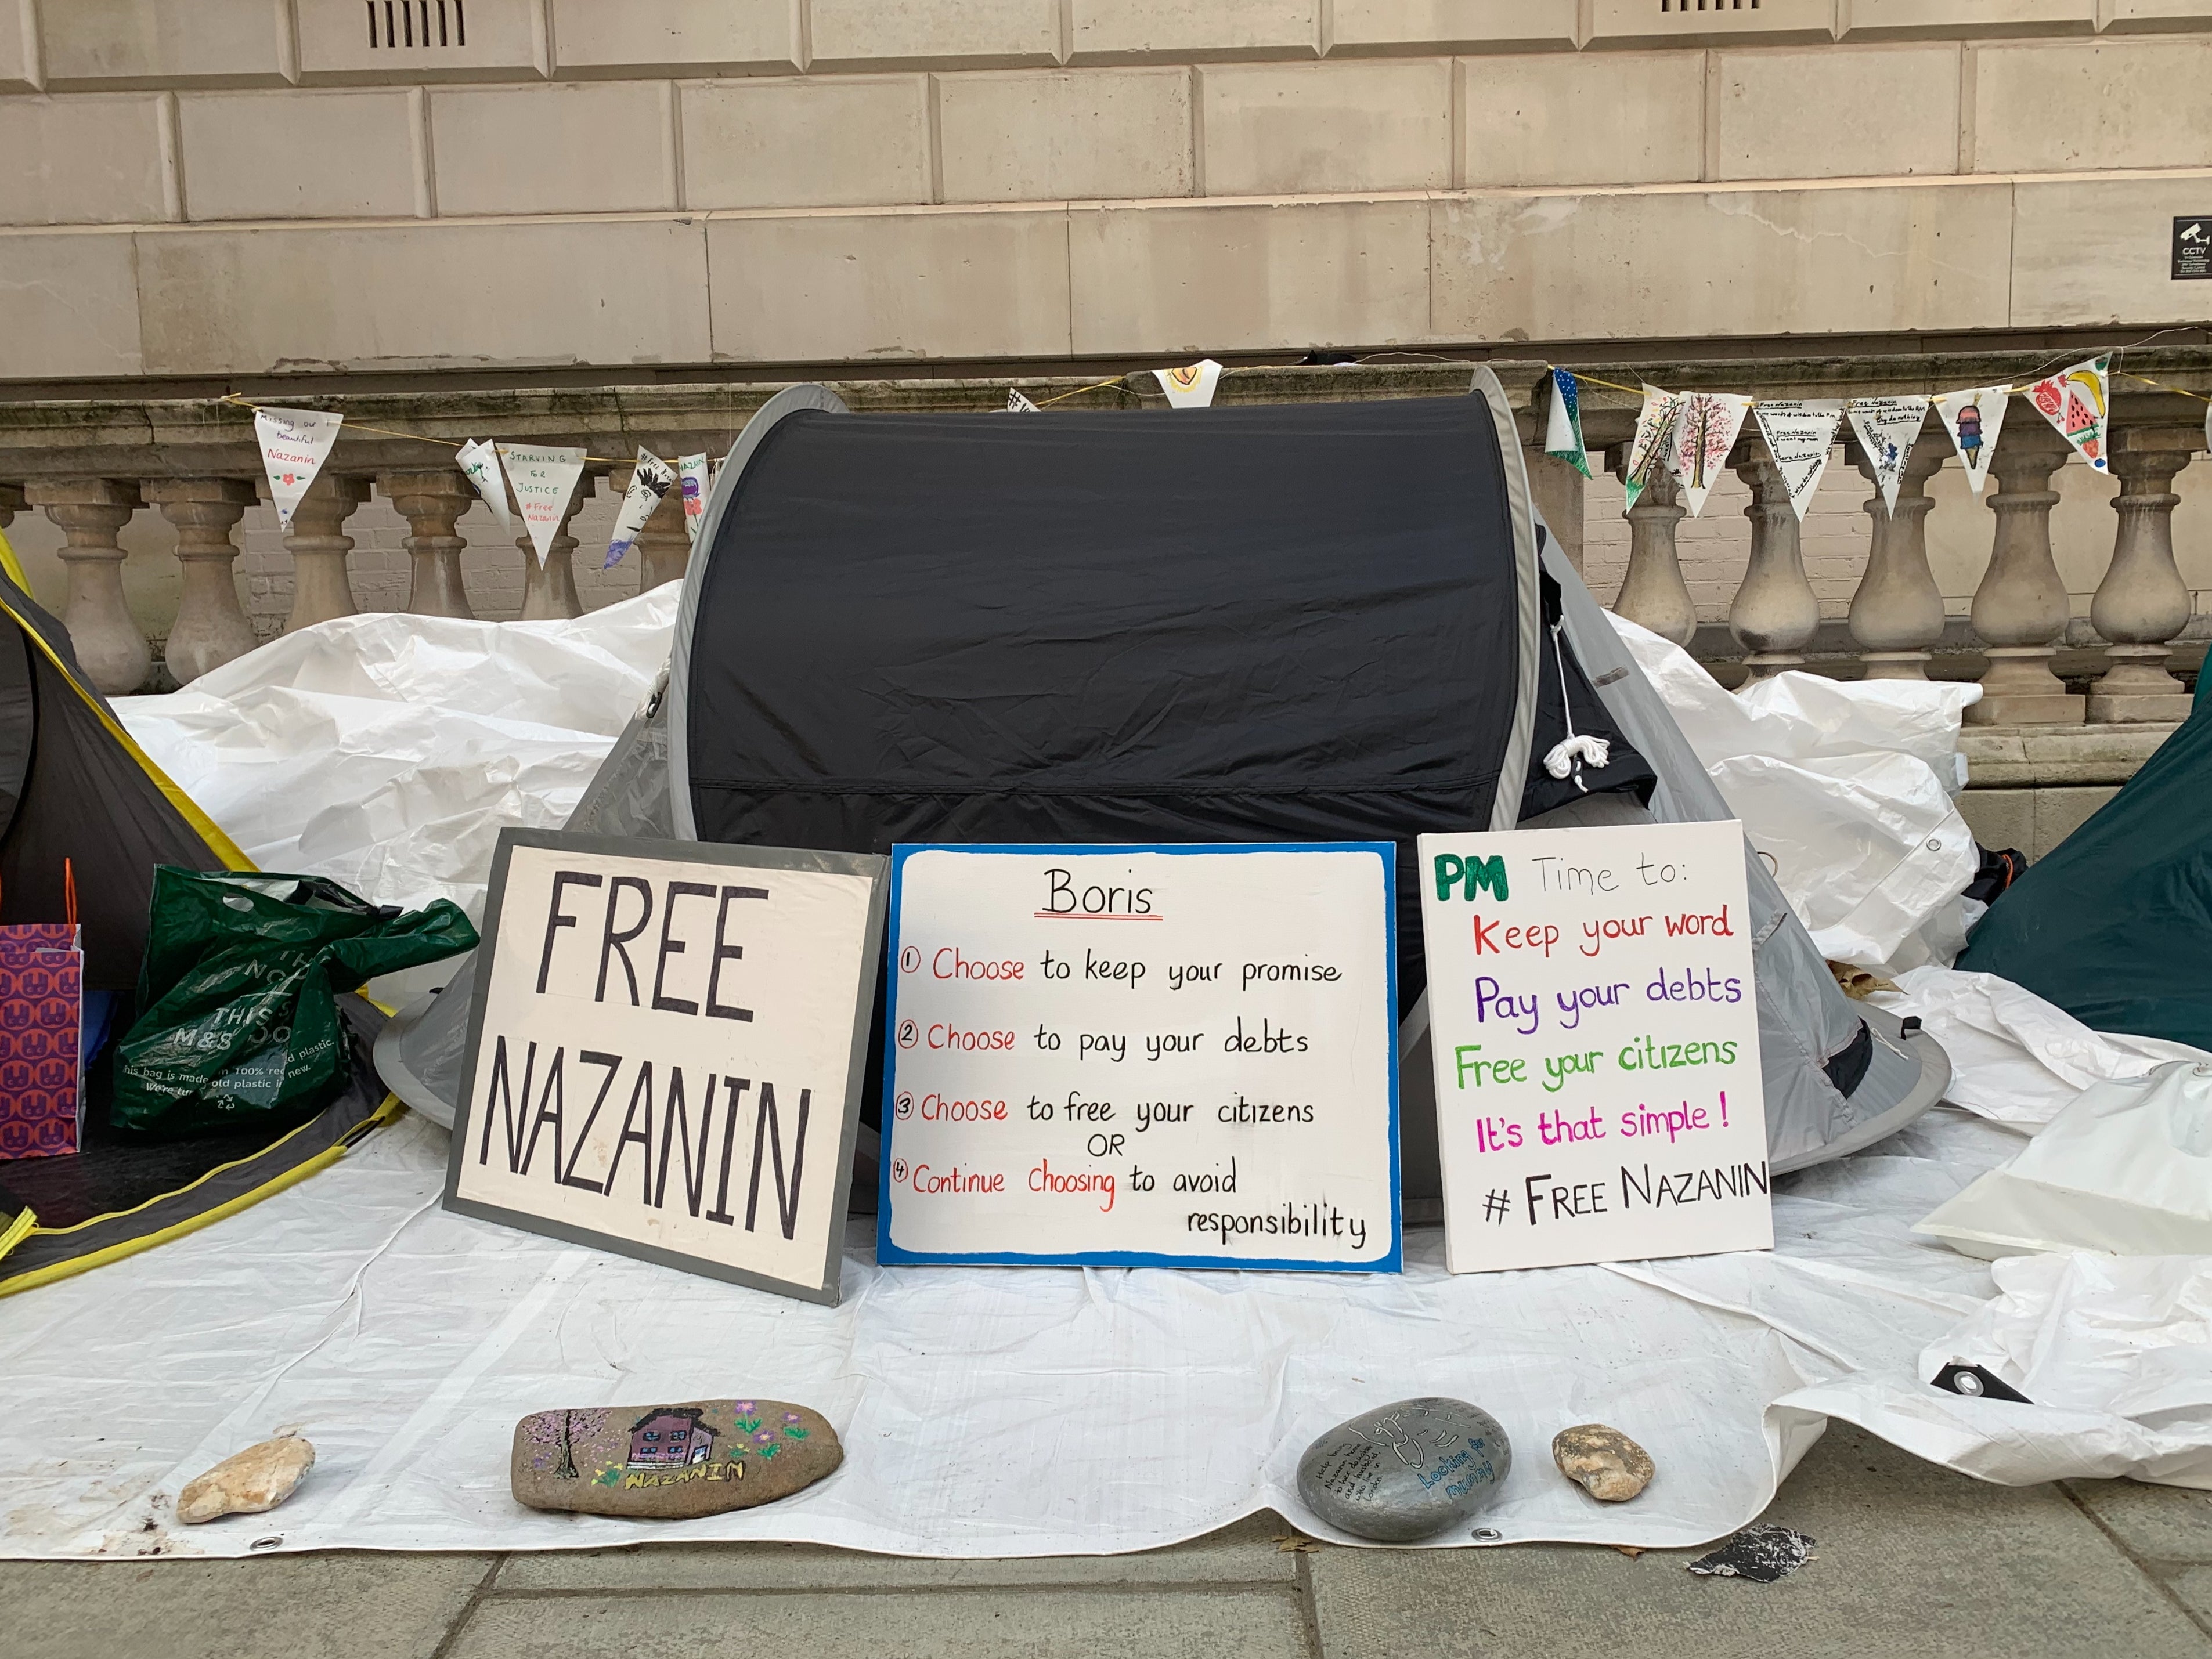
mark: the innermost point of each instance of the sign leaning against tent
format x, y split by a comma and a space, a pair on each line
666, 1053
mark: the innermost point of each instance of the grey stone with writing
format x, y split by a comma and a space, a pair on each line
1406, 1471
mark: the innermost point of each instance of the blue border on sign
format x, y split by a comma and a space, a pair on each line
889, 1253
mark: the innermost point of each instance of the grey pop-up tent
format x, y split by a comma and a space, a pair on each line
1281, 622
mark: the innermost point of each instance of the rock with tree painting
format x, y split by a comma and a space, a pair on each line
671, 1461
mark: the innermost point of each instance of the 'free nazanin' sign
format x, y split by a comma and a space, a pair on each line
666, 1053
1595, 1030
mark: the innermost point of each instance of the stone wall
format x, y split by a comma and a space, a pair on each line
272, 187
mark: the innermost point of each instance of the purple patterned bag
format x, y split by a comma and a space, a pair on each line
41, 1031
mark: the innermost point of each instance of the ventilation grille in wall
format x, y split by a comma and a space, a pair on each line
443, 23
1709, 5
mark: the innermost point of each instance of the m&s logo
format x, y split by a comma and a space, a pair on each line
1470, 873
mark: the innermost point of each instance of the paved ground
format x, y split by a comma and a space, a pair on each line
1910, 1560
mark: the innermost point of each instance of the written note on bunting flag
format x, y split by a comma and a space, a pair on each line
1799, 433
2074, 401
1563, 436
1706, 426
1190, 387
294, 444
652, 480
542, 480
1651, 448
692, 470
480, 466
1886, 427
1018, 402
1973, 418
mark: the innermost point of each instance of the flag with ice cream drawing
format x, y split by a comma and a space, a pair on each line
1973, 418
2074, 401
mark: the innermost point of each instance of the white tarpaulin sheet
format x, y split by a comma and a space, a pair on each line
1846, 790
984, 1411
386, 751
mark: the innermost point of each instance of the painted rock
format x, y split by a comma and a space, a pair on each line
1612, 1467
1406, 1471
671, 1461
259, 1477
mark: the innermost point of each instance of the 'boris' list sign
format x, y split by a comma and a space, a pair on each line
1596, 1038
1173, 1055
667, 1049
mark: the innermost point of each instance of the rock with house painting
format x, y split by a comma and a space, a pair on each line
671, 1462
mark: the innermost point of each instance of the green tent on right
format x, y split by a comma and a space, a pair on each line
2115, 926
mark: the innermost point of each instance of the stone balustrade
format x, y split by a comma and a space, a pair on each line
91, 469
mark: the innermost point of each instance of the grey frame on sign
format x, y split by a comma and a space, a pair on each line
867, 866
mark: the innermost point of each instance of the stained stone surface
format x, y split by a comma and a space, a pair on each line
689, 1457
1406, 1471
247, 1483
1612, 1467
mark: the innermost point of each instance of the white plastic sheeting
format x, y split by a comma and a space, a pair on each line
1013, 1411
2016, 1058
2114, 1354
1846, 789
387, 751
2125, 1170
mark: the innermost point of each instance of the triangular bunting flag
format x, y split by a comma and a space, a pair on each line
1886, 427
698, 482
1191, 387
294, 444
1652, 445
542, 480
1973, 418
1705, 427
1799, 433
2074, 401
652, 480
1564, 436
480, 465
1018, 402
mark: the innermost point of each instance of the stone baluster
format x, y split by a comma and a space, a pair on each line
2019, 608
1652, 593
109, 646
1775, 612
549, 591
2143, 602
1898, 611
319, 545
11, 503
665, 542
433, 502
210, 628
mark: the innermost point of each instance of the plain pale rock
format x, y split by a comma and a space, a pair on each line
674, 1461
1406, 1471
1612, 1467
259, 1477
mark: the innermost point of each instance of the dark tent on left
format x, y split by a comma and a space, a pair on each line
75, 788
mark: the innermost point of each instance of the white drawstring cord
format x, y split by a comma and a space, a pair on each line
1569, 752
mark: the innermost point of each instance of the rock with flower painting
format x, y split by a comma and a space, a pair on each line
674, 1461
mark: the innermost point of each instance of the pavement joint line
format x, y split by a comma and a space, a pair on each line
2133, 1559
468, 1607
1308, 1612
637, 1592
